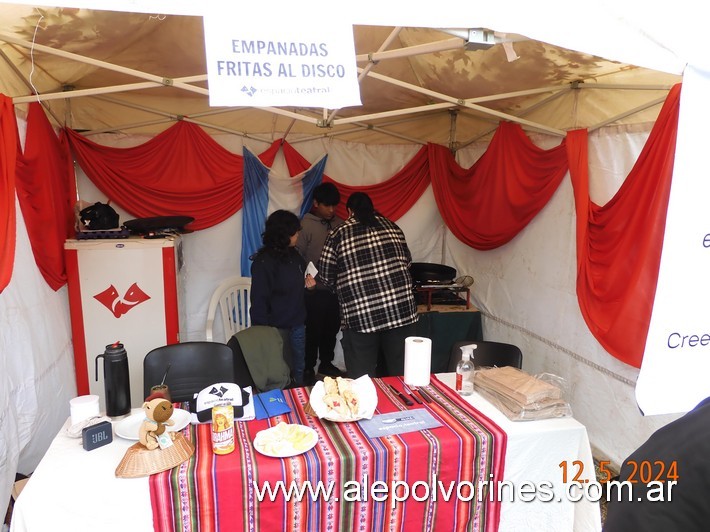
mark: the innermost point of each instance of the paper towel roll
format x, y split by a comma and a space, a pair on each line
83, 407
417, 360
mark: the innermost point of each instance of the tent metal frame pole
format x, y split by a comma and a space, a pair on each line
524, 112
160, 80
290, 114
137, 107
370, 65
446, 45
457, 101
221, 110
372, 58
27, 83
396, 112
360, 130
657, 101
629, 87
127, 126
170, 117
97, 90
83, 92
226, 130
561, 89
370, 127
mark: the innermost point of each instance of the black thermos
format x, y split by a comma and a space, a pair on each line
117, 385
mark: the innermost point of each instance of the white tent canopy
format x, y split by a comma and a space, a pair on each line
145, 70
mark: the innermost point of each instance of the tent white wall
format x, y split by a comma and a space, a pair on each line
525, 289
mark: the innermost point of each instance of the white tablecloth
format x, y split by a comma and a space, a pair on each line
73, 489
535, 451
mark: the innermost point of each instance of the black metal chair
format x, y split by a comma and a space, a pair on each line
193, 366
488, 354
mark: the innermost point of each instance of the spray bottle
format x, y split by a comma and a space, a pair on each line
464, 370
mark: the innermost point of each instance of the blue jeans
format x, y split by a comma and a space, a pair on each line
296, 348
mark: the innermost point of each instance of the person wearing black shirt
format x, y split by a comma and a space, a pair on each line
277, 287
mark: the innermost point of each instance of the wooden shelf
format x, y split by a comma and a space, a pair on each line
430, 289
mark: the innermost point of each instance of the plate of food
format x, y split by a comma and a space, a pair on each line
344, 400
129, 427
285, 439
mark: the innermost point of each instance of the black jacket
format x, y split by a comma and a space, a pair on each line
277, 289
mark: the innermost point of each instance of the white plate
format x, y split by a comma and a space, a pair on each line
365, 390
279, 441
128, 428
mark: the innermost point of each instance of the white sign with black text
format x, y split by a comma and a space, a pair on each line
289, 59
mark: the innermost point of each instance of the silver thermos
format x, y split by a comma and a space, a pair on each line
117, 384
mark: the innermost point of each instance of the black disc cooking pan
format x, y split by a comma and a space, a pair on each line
432, 273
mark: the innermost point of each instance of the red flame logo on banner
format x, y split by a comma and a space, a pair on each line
110, 299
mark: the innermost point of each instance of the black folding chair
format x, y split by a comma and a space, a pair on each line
488, 354
193, 366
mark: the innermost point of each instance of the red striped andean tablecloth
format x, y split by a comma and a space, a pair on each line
217, 493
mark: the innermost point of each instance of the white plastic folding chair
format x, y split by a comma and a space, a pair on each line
232, 298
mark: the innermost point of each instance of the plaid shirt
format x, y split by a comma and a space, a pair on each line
369, 268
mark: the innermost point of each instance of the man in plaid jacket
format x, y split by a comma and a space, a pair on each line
366, 260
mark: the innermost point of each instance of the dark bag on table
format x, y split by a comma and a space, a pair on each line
99, 216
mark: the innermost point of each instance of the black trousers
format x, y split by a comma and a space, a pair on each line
362, 350
322, 326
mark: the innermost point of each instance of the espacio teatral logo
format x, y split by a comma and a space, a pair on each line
118, 306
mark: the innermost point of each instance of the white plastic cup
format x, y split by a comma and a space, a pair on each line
83, 407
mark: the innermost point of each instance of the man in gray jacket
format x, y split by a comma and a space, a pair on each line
322, 312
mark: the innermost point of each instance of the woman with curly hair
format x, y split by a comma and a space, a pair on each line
277, 287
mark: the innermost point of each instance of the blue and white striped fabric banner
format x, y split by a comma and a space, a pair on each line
266, 192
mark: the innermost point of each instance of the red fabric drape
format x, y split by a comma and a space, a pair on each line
8, 154
44, 192
181, 171
491, 202
392, 199
619, 245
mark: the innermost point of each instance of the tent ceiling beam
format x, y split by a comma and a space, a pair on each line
97, 90
64, 95
102, 64
138, 107
524, 112
629, 87
291, 114
227, 130
117, 129
385, 44
480, 38
395, 112
27, 84
657, 101
410, 51
380, 128
175, 116
465, 103
287, 131
217, 111
560, 89
453, 113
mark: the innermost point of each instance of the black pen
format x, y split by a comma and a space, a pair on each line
401, 395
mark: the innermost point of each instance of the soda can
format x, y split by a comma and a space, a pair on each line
223, 429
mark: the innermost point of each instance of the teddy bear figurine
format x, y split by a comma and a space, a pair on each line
157, 411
